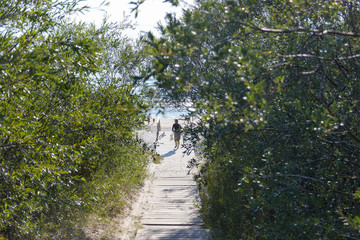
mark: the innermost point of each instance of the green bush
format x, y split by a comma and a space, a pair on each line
274, 85
66, 125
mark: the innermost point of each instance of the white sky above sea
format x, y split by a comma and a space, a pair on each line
150, 13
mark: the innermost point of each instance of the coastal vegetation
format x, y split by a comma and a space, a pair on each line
276, 86
68, 114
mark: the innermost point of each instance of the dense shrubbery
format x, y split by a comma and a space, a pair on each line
67, 141
277, 86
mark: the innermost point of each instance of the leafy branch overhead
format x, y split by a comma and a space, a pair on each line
68, 113
276, 86
136, 5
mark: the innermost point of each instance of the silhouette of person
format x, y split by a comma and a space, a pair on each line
158, 129
176, 128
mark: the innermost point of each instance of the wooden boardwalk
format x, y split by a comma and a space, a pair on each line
169, 207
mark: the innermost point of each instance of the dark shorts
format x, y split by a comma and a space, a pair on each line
177, 136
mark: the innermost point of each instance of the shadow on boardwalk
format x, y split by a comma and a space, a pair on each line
169, 154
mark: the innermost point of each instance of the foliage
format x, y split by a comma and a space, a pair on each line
64, 123
115, 182
276, 84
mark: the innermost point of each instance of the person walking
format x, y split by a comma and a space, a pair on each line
158, 129
176, 128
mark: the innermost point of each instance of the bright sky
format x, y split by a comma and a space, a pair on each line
151, 12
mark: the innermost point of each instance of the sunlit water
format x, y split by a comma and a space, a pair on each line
168, 113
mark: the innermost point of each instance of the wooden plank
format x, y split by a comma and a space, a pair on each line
172, 218
174, 188
176, 232
174, 173
178, 175
169, 175
171, 212
173, 192
166, 237
174, 195
166, 191
173, 233
173, 215
176, 201
169, 191
172, 221
169, 222
171, 229
173, 183
169, 208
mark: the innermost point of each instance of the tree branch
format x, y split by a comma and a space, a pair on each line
319, 57
304, 30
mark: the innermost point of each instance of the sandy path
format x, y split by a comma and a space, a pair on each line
165, 207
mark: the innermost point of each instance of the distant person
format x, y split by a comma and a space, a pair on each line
176, 128
158, 129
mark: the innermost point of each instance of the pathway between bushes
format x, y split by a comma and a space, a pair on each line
166, 208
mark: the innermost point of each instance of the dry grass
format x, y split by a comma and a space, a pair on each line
157, 158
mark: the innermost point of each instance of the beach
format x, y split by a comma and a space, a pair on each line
149, 133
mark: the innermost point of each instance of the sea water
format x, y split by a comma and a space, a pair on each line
169, 112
